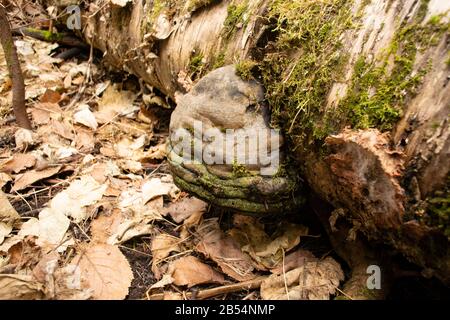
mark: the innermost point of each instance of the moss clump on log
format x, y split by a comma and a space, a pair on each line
437, 210
236, 15
244, 69
307, 58
377, 96
304, 63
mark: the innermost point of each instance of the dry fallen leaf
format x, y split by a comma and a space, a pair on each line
42, 112
267, 252
294, 260
104, 226
157, 187
85, 117
8, 217
84, 139
26, 179
7, 212
18, 163
53, 226
162, 245
5, 230
224, 250
24, 287
113, 103
4, 179
81, 193
312, 281
24, 138
185, 208
190, 271
105, 270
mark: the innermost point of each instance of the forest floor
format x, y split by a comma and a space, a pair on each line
89, 210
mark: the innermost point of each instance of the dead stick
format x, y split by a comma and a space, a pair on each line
209, 293
15, 72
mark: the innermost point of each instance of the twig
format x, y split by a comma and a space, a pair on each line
284, 277
209, 293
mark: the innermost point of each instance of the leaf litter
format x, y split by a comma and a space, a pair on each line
89, 210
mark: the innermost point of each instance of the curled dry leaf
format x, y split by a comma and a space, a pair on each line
294, 260
105, 270
266, 251
8, 217
18, 163
84, 139
4, 179
312, 281
24, 138
53, 226
113, 103
81, 193
7, 212
85, 117
158, 152
62, 128
190, 271
104, 226
224, 250
186, 208
162, 245
24, 180
13, 286
158, 187
128, 148
42, 112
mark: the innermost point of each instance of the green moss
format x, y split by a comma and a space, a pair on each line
377, 95
306, 61
438, 209
240, 170
307, 58
244, 69
236, 13
197, 65
193, 5
219, 61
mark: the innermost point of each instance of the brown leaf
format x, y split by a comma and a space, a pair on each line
18, 163
105, 226
224, 250
294, 260
162, 245
84, 139
42, 112
105, 270
185, 208
266, 251
62, 128
24, 180
22, 287
4, 179
312, 281
48, 262
50, 96
190, 271
7, 212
